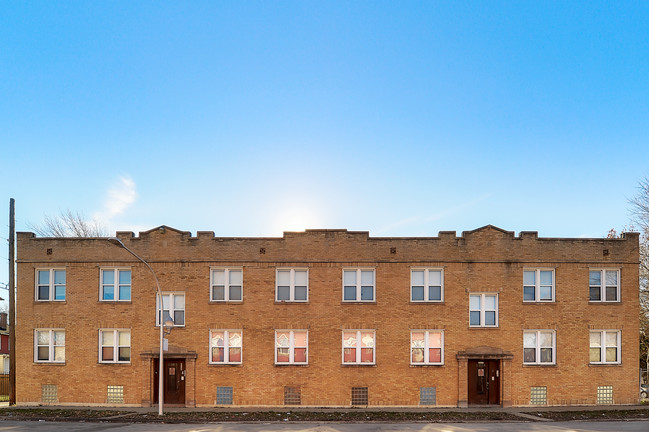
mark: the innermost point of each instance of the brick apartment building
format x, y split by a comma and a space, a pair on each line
329, 318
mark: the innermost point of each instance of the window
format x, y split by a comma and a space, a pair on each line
223, 395
604, 285
358, 285
49, 346
427, 395
427, 347
173, 308
291, 346
605, 347
115, 394
539, 347
292, 285
227, 285
604, 395
360, 396
483, 310
50, 285
115, 285
539, 395
292, 395
358, 347
114, 346
225, 346
538, 285
426, 285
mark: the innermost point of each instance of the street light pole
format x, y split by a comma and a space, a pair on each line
118, 242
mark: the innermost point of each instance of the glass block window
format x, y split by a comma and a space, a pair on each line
539, 396
115, 394
292, 395
49, 393
223, 395
359, 396
605, 395
427, 396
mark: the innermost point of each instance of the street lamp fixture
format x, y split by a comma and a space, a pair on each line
168, 323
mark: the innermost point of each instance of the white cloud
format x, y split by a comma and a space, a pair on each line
119, 197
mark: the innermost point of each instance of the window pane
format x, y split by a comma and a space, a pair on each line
43, 353
109, 292
299, 355
367, 293
165, 301
59, 292
611, 339
490, 318
43, 337
300, 293
59, 338
349, 355
417, 277
235, 292
124, 338
124, 354
417, 355
435, 293
475, 318
367, 355
218, 339
282, 339
546, 293
43, 277
283, 355
546, 339
125, 292
108, 338
107, 354
236, 277
611, 293
299, 339
367, 277
59, 354
595, 294
417, 293
235, 355
546, 278
367, 339
594, 355
43, 292
474, 302
434, 339
108, 277
349, 277
283, 293
529, 293
218, 293
417, 340
529, 355
529, 340
300, 277
490, 302
595, 278
59, 277
125, 277
611, 354
179, 301
595, 339
218, 277
349, 339
611, 278
179, 318
218, 354
350, 293
283, 277
546, 355
529, 278
435, 355
435, 277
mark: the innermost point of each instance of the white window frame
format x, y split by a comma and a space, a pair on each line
226, 347
116, 285
427, 284
538, 285
116, 346
427, 347
358, 347
172, 308
359, 285
483, 310
291, 285
51, 346
602, 286
51, 284
603, 347
226, 284
292, 347
538, 347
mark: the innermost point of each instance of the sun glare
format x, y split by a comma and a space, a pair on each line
296, 219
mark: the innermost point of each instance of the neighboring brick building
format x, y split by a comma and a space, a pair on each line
330, 318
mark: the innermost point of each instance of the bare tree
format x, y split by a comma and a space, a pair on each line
69, 224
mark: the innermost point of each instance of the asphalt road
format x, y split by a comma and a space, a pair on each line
43, 426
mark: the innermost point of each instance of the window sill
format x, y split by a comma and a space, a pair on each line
424, 365
599, 302
50, 301
541, 365
484, 327
530, 302
226, 364
604, 364
426, 301
43, 363
291, 364
279, 302
115, 301
114, 363
358, 302
356, 365
225, 302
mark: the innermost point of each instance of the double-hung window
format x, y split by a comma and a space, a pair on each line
50, 285
359, 347
358, 285
483, 310
49, 345
604, 285
291, 347
115, 285
225, 346
426, 285
227, 285
538, 285
605, 346
114, 346
292, 285
539, 347
427, 347
173, 308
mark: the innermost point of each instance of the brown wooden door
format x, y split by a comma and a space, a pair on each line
174, 382
484, 382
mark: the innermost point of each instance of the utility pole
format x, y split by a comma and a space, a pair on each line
12, 302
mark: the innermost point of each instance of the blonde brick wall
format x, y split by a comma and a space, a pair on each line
484, 260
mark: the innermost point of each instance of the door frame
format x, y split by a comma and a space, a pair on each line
483, 382
179, 374
503, 360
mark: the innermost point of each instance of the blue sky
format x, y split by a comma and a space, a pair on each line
249, 118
